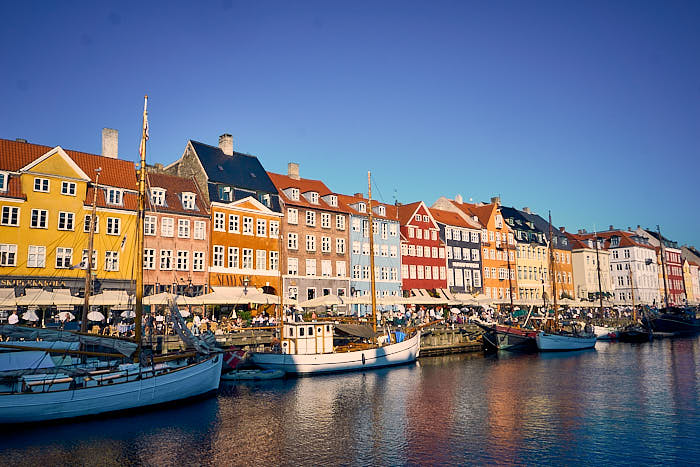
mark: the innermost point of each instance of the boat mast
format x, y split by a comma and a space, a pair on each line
371, 253
139, 233
510, 279
279, 267
634, 310
88, 259
663, 263
552, 272
597, 260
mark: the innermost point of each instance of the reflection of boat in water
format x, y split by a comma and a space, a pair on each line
513, 339
252, 375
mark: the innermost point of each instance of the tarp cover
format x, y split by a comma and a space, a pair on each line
355, 330
124, 347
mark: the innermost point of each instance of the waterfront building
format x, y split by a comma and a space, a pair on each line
674, 265
585, 261
176, 236
692, 256
461, 235
315, 231
423, 263
633, 266
497, 245
387, 245
532, 256
46, 196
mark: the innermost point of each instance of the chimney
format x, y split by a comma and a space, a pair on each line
527, 210
562, 229
459, 199
293, 170
496, 200
580, 231
226, 144
110, 143
359, 195
611, 227
21, 140
639, 226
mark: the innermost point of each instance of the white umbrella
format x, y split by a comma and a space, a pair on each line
95, 316
323, 300
30, 316
66, 316
39, 297
128, 314
184, 313
236, 296
455, 311
111, 298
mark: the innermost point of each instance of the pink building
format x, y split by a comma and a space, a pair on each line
176, 236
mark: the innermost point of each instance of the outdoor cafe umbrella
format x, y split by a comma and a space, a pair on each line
66, 316
128, 314
95, 316
323, 300
237, 296
40, 297
184, 313
30, 316
111, 298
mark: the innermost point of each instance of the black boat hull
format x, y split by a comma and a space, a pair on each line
495, 340
634, 335
674, 323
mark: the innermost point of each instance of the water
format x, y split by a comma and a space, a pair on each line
620, 403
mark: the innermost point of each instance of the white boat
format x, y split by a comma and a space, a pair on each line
604, 333
309, 350
52, 396
551, 342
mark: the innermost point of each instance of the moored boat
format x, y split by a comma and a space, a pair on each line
635, 333
513, 339
549, 342
605, 333
676, 320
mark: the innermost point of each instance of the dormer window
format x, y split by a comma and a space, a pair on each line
294, 194
381, 210
225, 193
4, 177
615, 241
158, 197
188, 200
332, 200
362, 207
114, 196
265, 199
313, 197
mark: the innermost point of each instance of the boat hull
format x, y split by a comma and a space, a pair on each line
509, 339
605, 334
182, 383
635, 335
676, 324
547, 342
311, 364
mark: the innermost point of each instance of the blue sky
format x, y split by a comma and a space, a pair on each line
590, 109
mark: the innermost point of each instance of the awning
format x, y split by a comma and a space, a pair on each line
40, 297
112, 298
323, 300
7, 299
238, 296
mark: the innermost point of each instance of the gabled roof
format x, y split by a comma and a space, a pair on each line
174, 187
578, 243
115, 172
305, 185
543, 225
406, 212
626, 239
239, 170
453, 219
392, 211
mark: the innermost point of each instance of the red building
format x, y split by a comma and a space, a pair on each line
423, 263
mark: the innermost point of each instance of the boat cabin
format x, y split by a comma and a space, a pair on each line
307, 338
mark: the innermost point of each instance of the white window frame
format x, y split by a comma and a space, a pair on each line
200, 229
149, 258
167, 227
42, 185
234, 258
36, 256
234, 223
114, 196
166, 260
219, 222
198, 261
150, 225
247, 227
41, 215
10, 216
66, 220
261, 228
183, 260
183, 228
114, 226
69, 188
64, 257
111, 261
325, 220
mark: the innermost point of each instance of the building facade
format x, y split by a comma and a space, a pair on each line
461, 235
315, 229
587, 261
673, 285
46, 197
387, 246
423, 263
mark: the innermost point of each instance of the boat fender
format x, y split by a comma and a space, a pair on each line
363, 359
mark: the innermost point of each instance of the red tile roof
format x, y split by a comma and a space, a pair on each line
626, 239
305, 185
174, 186
14, 189
452, 218
392, 212
130, 202
115, 172
406, 212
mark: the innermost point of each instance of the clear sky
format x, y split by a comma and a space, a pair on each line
590, 109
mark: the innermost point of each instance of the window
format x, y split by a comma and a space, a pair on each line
292, 216
419, 233
385, 250
356, 271
233, 259
183, 228
166, 259
420, 272
8, 255
310, 218
158, 196
356, 248
219, 222
385, 230
419, 251
434, 251
404, 271
114, 226
188, 200
340, 269
41, 185
183, 260
149, 258
149, 224
393, 229
111, 261
274, 260
428, 273
36, 256
333, 200
412, 271
310, 243
64, 257
326, 244
365, 249
3, 181
310, 267
247, 258
260, 259
365, 228
313, 197
39, 218
325, 220
294, 194
475, 254
356, 225
326, 268
365, 272
340, 246
83, 260
199, 230
393, 251
10, 216
274, 229
68, 188
433, 235
362, 207
261, 228
293, 241
218, 256
114, 196
234, 223
247, 225
167, 226
198, 261
293, 266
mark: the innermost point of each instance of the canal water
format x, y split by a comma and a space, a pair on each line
619, 404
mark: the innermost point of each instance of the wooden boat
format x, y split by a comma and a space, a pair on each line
513, 339
34, 395
635, 333
676, 320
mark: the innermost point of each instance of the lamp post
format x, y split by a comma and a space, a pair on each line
246, 281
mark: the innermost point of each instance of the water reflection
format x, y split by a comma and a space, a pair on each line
620, 403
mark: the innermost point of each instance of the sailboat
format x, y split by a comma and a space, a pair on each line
308, 348
557, 339
63, 392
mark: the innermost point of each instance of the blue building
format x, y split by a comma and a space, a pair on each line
387, 249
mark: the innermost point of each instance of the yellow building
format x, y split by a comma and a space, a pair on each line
46, 199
